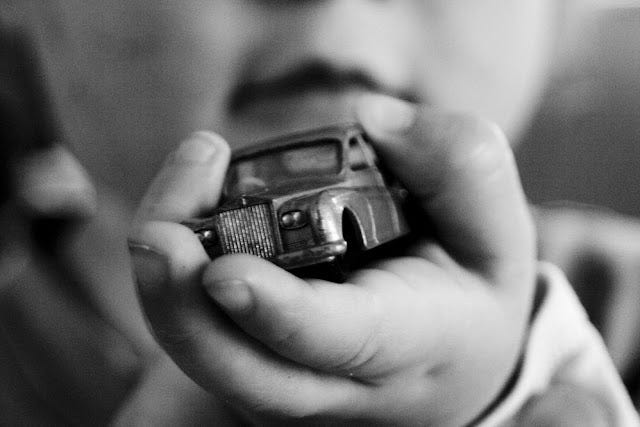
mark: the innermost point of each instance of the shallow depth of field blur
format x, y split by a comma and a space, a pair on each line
584, 145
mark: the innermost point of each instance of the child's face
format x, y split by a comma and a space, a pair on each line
131, 78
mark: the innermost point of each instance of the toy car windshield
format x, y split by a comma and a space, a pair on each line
270, 169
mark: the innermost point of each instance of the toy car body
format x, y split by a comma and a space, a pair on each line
304, 199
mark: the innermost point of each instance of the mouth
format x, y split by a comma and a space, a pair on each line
311, 77
312, 95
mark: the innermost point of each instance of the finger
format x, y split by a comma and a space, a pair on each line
65, 352
208, 347
407, 314
188, 185
462, 172
385, 318
190, 181
318, 324
187, 325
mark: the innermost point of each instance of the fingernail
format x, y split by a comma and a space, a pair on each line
384, 114
234, 296
199, 148
150, 268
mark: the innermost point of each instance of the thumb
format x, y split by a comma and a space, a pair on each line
462, 172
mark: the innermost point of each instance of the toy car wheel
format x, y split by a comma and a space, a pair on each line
338, 269
343, 264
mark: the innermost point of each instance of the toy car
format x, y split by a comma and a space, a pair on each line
305, 199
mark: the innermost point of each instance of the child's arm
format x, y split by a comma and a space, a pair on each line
431, 337
566, 376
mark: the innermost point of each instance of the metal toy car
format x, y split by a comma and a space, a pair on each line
305, 199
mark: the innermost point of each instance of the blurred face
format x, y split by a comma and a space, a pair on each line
131, 78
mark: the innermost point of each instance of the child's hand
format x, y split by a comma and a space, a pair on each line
430, 337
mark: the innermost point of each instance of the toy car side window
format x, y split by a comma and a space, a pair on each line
358, 159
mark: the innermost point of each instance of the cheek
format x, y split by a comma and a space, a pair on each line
491, 58
131, 79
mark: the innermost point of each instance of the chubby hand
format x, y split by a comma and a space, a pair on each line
431, 336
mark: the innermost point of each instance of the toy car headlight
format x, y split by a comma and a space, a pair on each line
293, 219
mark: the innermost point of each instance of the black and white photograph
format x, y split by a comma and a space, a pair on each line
320, 213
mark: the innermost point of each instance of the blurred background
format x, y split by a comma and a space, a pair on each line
584, 144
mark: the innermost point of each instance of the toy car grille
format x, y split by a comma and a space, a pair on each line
247, 230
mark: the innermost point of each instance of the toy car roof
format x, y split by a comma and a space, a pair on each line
339, 131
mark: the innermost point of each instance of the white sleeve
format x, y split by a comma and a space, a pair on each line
563, 346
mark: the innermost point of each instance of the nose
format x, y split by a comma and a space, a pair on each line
378, 37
